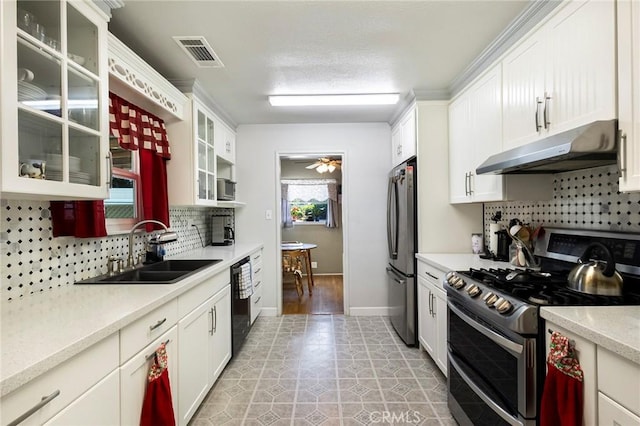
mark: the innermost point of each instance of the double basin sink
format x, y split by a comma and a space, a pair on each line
165, 272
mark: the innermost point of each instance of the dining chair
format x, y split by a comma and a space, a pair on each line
292, 262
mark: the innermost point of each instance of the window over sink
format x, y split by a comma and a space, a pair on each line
122, 208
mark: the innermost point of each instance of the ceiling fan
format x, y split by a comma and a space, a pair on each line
325, 165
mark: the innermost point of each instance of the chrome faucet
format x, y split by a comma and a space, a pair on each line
166, 237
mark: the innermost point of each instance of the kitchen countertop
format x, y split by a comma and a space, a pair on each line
43, 330
616, 328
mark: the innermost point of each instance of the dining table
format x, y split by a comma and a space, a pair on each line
305, 248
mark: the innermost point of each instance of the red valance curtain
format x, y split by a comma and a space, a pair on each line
136, 130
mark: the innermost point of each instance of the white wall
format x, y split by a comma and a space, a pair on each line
442, 227
366, 150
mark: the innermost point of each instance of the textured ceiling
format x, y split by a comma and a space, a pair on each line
310, 47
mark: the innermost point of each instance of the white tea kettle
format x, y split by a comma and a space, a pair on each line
596, 276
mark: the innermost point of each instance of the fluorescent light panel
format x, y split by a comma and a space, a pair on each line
334, 100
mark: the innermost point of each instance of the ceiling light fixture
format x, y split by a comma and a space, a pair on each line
324, 165
334, 100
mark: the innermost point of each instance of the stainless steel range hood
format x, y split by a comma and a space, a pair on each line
587, 146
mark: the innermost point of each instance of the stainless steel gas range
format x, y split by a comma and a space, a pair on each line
496, 350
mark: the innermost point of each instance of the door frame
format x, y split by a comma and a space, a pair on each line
345, 226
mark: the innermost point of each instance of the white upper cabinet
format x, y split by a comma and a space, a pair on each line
523, 73
475, 123
53, 118
475, 133
562, 75
403, 138
459, 139
191, 172
225, 142
629, 93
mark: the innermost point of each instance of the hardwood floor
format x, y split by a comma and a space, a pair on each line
326, 298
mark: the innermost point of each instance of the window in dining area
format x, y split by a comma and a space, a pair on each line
307, 201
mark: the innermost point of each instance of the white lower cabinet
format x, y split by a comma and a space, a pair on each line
257, 280
134, 374
618, 397
432, 314
610, 413
586, 354
100, 404
72, 388
204, 350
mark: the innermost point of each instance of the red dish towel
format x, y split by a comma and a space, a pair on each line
562, 397
157, 407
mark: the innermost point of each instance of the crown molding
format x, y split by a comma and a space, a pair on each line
141, 79
530, 17
193, 86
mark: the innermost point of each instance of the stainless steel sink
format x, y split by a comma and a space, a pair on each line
165, 272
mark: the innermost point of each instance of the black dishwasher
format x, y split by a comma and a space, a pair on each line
240, 303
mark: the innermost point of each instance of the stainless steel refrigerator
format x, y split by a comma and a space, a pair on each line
402, 244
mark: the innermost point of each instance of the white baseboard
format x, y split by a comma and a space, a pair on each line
269, 312
373, 311
362, 312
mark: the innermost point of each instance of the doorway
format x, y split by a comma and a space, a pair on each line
311, 234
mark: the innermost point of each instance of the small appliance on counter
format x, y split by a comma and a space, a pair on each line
221, 231
155, 250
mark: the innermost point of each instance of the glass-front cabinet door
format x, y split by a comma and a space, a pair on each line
206, 157
54, 100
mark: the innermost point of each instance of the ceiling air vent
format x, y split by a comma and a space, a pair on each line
200, 52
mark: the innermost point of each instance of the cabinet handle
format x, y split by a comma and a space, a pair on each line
257, 270
45, 400
466, 184
257, 300
150, 356
622, 153
257, 284
431, 275
158, 324
547, 123
538, 103
433, 305
430, 302
211, 316
470, 184
109, 169
215, 319
257, 257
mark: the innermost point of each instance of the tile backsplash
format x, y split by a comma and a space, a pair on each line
34, 261
584, 199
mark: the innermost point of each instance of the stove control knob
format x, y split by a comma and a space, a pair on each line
503, 306
451, 278
459, 284
473, 290
490, 299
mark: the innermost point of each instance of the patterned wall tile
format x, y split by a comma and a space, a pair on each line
34, 261
583, 199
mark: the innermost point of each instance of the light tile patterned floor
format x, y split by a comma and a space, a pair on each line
326, 370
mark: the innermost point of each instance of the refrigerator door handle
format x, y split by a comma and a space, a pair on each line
395, 276
392, 225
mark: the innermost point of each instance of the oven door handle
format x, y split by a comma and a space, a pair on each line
514, 348
495, 407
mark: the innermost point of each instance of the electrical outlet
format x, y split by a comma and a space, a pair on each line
268, 214
314, 265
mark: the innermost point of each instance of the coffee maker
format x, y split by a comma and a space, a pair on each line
222, 233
